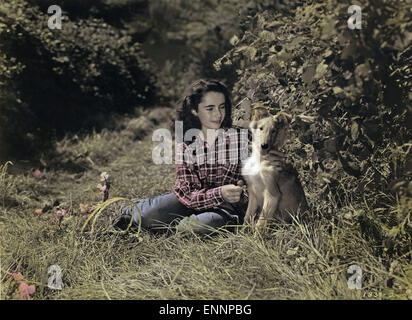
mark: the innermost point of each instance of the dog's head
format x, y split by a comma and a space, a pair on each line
271, 132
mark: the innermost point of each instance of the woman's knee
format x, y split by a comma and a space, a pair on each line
157, 211
203, 223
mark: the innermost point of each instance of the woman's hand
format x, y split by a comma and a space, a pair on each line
231, 193
277, 159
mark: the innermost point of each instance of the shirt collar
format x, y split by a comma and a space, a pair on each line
198, 137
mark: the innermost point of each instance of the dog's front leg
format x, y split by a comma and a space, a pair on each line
270, 206
251, 210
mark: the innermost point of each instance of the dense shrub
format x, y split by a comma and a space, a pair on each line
52, 81
124, 14
349, 93
204, 29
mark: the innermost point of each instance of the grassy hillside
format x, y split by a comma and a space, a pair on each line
290, 262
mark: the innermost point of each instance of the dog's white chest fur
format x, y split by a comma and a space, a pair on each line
251, 166
251, 171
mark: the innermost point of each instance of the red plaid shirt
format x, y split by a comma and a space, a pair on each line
201, 171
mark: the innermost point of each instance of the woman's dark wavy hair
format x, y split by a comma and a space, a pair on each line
191, 98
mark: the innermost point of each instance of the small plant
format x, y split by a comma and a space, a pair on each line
99, 209
6, 182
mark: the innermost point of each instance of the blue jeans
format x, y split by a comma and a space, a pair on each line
161, 211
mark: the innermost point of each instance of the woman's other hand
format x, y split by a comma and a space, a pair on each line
277, 159
231, 193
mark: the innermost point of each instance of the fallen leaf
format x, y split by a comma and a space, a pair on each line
17, 276
292, 252
86, 208
36, 173
60, 213
26, 291
37, 212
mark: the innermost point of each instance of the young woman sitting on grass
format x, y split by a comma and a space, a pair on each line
207, 193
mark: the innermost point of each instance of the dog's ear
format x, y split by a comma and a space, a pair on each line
282, 119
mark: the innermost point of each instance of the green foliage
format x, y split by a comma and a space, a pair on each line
349, 93
203, 29
114, 12
54, 81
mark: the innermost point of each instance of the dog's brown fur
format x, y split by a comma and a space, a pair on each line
274, 194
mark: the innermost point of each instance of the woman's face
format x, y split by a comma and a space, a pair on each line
211, 110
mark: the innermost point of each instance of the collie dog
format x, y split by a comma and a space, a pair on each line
274, 193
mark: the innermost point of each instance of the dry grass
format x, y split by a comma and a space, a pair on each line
288, 262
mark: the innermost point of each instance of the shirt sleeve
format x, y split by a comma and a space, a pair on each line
188, 188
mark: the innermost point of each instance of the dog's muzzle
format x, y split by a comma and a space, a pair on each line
264, 149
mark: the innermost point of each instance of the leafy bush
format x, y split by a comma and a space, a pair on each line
54, 81
118, 13
349, 93
203, 29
